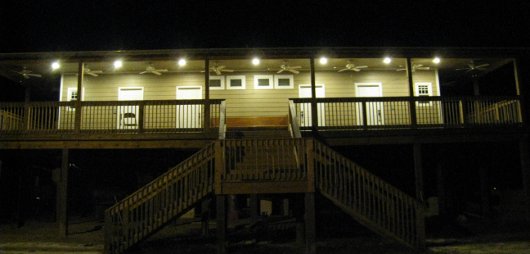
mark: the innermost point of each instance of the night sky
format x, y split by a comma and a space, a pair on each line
112, 25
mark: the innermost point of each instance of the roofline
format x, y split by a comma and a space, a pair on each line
283, 52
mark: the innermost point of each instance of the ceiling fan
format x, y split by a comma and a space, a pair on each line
352, 67
151, 69
291, 69
219, 69
415, 67
471, 66
27, 74
93, 73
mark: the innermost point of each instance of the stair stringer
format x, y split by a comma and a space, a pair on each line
164, 199
402, 213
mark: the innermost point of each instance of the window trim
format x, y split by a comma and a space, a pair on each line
233, 77
417, 93
258, 77
285, 76
69, 96
220, 78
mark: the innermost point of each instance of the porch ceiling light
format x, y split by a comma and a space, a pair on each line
436, 60
182, 62
323, 60
255, 61
387, 60
55, 65
118, 64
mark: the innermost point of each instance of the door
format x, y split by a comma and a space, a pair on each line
189, 116
374, 110
305, 108
128, 114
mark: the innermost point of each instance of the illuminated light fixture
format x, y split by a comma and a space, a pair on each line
387, 60
436, 60
118, 64
323, 60
255, 61
56, 65
182, 62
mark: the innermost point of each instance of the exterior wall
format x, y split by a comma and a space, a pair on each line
251, 102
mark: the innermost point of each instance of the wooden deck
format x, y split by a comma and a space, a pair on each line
194, 123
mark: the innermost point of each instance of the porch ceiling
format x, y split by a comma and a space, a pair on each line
9, 69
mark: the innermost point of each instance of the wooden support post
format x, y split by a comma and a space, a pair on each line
418, 175
254, 208
525, 172
221, 223
484, 191
310, 224
27, 110
440, 179
62, 192
205, 217
141, 114
476, 86
314, 110
219, 167
80, 74
519, 92
418, 171
207, 95
412, 102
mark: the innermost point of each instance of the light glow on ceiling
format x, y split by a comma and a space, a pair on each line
387, 60
117, 64
56, 65
436, 60
323, 60
255, 61
182, 62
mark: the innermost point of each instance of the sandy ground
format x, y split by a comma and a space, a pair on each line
86, 236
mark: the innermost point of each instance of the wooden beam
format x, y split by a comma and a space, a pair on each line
310, 224
221, 223
105, 144
314, 110
263, 187
440, 182
62, 192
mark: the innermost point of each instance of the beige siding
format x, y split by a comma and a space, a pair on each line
252, 102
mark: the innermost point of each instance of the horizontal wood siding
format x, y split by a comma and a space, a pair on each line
252, 102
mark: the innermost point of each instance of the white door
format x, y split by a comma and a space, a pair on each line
189, 116
304, 91
374, 110
128, 114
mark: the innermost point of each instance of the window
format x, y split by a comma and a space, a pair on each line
423, 89
71, 95
236, 82
262, 81
217, 82
283, 82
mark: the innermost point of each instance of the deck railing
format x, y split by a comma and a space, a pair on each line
264, 160
167, 116
407, 112
368, 198
158, 202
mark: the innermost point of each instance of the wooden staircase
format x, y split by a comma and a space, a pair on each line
167, 197
265, 165
372, 202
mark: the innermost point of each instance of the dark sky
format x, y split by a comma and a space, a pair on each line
111, 25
